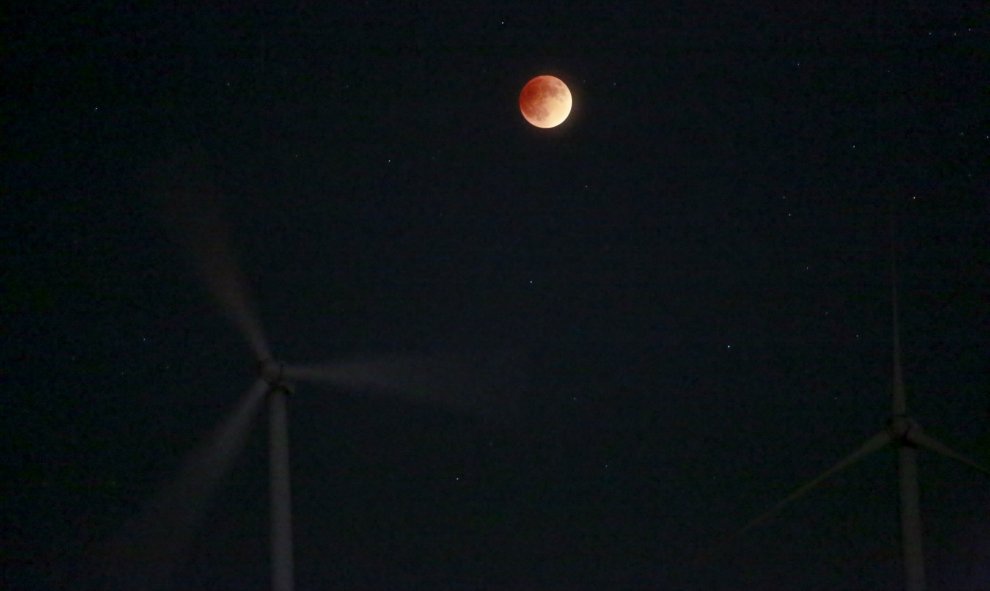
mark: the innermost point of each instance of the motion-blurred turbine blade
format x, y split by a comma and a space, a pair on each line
922, 439
475, 384
194, 215
145, 554
873, 444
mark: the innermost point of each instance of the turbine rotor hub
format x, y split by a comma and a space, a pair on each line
901, 426
273, 373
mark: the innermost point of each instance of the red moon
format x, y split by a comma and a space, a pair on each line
545, 101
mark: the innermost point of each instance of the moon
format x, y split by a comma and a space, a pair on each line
545, 102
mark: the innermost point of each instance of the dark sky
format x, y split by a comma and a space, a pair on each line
695, 266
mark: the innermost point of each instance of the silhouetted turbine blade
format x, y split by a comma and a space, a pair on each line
145, 554
481, 384
873, 444
921, 439
195, 217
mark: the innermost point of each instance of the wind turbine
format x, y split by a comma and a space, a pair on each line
154, 543
906, 436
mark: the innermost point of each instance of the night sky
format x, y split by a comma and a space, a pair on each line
687, 284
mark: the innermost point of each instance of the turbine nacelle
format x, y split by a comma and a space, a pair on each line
273, 373
901, 428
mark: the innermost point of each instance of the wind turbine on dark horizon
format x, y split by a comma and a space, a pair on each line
145, 554
903, 433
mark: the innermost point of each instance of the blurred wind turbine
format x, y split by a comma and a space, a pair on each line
903, 433
150, 548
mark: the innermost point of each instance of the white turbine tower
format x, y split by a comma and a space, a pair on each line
904, 433
147, 552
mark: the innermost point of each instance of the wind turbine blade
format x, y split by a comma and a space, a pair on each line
479, 384
194, 216
922, 439
872, 444
145, 554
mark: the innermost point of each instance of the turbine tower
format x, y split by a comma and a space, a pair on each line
903, 433
147, 552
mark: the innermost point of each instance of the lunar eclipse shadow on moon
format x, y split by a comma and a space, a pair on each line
545, 102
